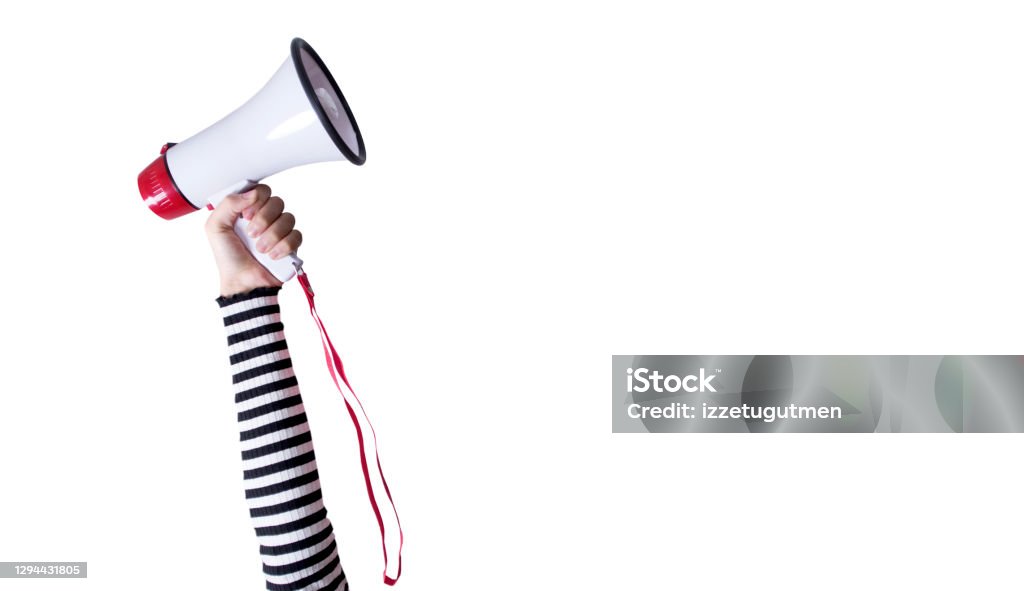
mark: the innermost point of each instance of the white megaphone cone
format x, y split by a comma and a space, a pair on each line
298, 117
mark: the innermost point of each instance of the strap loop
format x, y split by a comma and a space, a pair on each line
335, 367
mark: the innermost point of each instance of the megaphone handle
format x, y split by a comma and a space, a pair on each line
283, 268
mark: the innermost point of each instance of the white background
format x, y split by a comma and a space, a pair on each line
547, 183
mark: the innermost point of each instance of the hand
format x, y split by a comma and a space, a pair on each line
268, 221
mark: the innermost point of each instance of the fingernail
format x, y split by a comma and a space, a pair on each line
261, 246
254, 231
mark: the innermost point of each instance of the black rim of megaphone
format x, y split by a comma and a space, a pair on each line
297, 46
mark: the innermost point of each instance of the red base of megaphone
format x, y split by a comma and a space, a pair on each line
159, 191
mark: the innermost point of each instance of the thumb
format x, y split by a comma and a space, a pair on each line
232, 206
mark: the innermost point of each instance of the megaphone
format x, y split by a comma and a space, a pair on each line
299, 117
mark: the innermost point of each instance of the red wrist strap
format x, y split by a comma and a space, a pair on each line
337, 370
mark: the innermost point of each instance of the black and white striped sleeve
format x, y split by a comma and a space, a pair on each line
282, 487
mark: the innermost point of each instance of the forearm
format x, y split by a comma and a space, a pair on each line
282, 487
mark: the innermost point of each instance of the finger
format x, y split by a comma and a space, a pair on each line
280, 228
266, 215
262, 195
287, 245
225, 214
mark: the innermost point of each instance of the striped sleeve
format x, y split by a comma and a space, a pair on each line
282, 487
